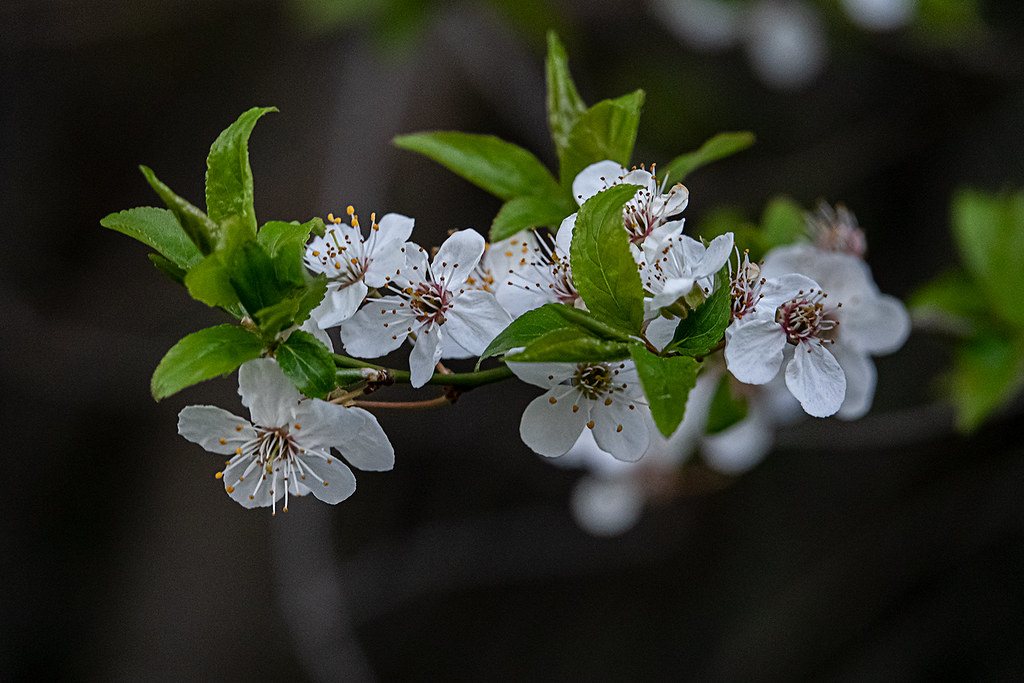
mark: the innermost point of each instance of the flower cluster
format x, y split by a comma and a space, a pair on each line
646, 342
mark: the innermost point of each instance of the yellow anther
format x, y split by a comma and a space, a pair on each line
298, 426
229, 489
351, 210
238, 451
608, 401
619, 428
575, 409
590, 425
219, 475
238, 428
223, 441
552, 400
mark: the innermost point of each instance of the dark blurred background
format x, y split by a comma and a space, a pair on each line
889, 548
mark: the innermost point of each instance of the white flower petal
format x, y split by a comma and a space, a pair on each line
213, 428
595, 178
377, 328
563, 238
268, 394
544, 375
395, 227
248, 484
551, 429
474, 319
815, 377
661, 330
778, 290
620, 430
457, 257
329, 479
739, 447
860, 381
877, 326
353, 432
339, 304
425, 355
753, 350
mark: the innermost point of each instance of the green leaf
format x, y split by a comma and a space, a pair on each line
526, 328
275, 234
159, 229
202, 355
501, 168
987, 373
229, 192
276, 317
603, 268
666, 382
308, 363
726, 408
310, 297
951, 300
718, 147
563, 102
569, 346
605, 131
522, 213
701, 331
203, 232
210, 283
599, 328
783, 222
168, 268
254, 277
989, 230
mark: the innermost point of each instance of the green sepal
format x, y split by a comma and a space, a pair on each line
229, 189
203, 232
203, 355
605, 131
702, 330
502, 168
603, 268
308, 363
666, 382
564, 104
718, 147
527, 212
168, 268
159, 229
727, 408
569, 346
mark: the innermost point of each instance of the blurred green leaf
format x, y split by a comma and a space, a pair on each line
605, 131
523, 213
229, 191
168, 268
603, 268
951, 300
564, 104
718, 147
159, 229
203, 355
666, 382
727, 408
501, 168
987, 373
989, 230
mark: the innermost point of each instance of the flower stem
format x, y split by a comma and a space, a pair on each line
464, 380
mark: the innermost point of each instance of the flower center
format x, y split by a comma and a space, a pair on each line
593, 380
745, 287
273, 444
805, 317
430, 301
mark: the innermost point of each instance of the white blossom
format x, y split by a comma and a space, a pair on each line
868, 323
431, 303
353, 264
673, 264
286, 449
604, 397
790, 311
